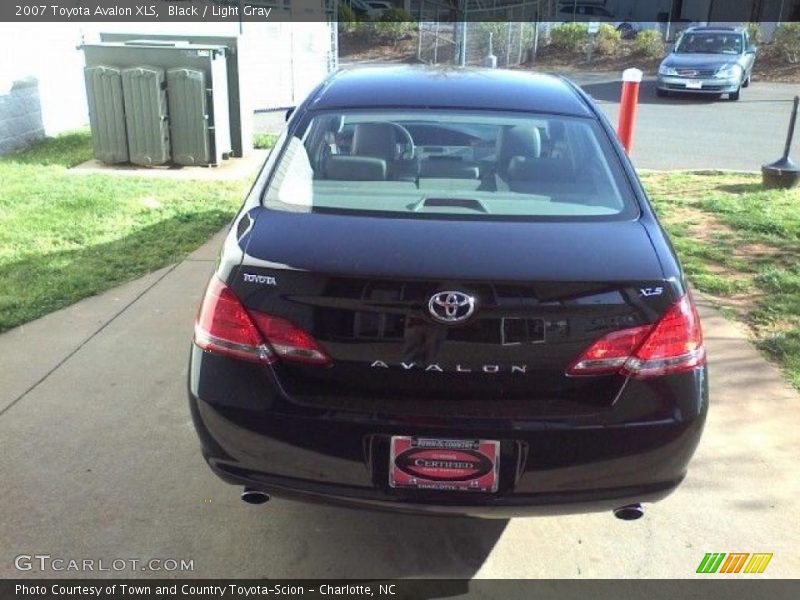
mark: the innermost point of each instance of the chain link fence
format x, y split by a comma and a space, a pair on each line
498, 33
490, 43
498, 44
437, 43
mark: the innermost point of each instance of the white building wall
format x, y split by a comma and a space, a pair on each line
281, 62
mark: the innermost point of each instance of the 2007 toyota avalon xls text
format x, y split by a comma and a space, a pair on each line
447, 293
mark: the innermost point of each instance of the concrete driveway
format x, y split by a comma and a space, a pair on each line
100, 461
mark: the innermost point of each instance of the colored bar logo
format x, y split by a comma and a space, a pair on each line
734, 562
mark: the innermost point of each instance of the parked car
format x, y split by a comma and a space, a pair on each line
454, 300
588, 12
371, 9
708, 60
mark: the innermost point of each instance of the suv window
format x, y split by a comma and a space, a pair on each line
425, 163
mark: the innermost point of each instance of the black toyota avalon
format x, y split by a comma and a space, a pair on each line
447, 293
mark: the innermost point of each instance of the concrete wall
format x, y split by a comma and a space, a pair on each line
47, 52
20, 116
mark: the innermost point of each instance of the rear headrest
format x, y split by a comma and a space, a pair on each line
545, 170
378, 140
556, 129
449, 169
355, 168
520, 169
520, 140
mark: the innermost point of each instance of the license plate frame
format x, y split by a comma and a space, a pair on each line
452, 465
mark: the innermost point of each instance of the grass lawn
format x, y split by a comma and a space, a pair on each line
740, 244
264, 141
65, 236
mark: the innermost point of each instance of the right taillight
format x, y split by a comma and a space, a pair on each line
224, 326
672, 345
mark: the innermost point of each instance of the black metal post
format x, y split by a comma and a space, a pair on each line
784, 173
792, 123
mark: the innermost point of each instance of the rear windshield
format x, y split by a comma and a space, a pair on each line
429, 164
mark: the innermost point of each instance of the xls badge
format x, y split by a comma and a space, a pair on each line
651, 291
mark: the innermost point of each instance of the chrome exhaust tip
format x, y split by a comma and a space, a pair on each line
253, 496
631, 512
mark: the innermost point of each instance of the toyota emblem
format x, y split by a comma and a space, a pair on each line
451, 307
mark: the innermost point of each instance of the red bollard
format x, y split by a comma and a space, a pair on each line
631, 80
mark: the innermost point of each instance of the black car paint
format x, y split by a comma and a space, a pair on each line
573, 445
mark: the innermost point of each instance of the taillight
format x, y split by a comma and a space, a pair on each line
610, 353
288, 341
675, 344
672, 345
225, 326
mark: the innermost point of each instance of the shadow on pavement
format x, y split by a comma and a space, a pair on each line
358, 543
610, 91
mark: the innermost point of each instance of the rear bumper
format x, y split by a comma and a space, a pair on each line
506, 507
552, 466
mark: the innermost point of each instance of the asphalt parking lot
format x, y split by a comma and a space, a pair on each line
100, 461
686, 131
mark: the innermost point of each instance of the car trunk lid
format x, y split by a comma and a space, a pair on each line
362, 287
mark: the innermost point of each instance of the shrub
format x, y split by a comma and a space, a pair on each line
649, 44
528, 35
754, 29
570, 37
787, 42
394, 25
608, 40
349, 23
347, 14
264, 141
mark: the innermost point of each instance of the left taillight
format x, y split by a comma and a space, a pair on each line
672, 345
224, 326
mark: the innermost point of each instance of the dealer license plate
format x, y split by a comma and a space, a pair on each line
444, 464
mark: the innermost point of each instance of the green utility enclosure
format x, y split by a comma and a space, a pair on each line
158, 102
